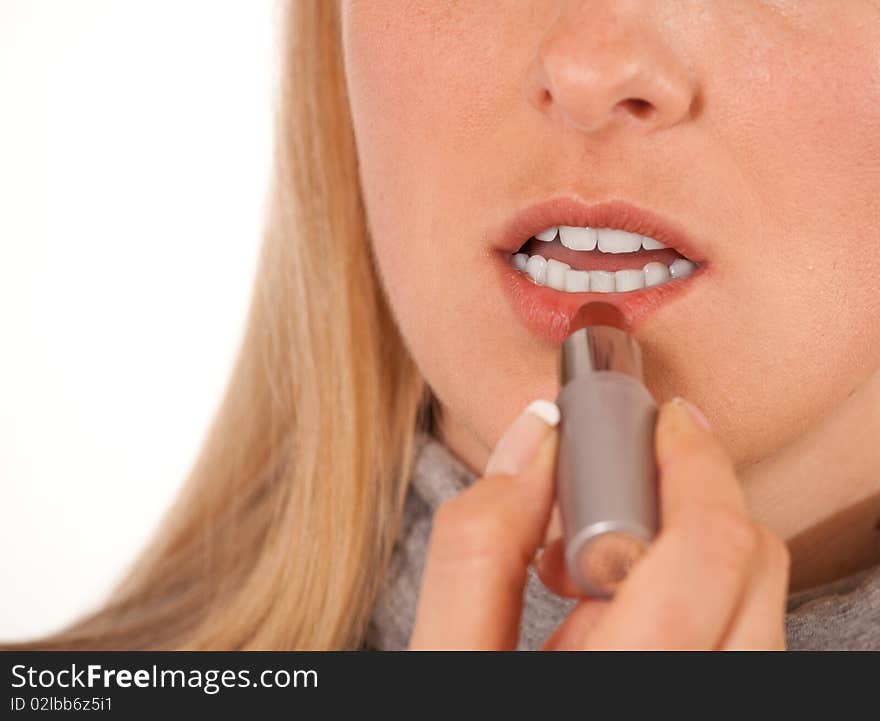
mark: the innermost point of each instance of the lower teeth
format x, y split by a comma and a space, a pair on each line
561, 276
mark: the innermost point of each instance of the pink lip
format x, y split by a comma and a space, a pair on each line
548, 312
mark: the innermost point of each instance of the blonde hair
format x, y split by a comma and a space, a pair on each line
284, 528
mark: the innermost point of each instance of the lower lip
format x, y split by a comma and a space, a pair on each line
547, 312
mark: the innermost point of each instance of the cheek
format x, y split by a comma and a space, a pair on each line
804, 129
417, 81
405, 93
822, 170
800, 306
822, 157
422, 113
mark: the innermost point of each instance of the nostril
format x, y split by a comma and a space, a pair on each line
642, 109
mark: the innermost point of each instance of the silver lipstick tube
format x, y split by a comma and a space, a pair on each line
606, 476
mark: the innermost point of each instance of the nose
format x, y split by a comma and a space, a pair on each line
602, 64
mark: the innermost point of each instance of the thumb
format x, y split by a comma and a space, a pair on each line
483, 540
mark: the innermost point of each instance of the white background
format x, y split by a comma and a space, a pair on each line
134, 160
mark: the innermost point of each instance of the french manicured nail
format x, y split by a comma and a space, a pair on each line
695, 412
516, 447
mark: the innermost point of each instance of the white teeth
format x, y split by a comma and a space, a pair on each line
629, 279
655, 274
578, 238
602, 281
609, 240
649, 243
561, 276
618, 241
548, 234
681, 268
577, 281
537, 268
555, 275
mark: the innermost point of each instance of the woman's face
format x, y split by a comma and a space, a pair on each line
750, 128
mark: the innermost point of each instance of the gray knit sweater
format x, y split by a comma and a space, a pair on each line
842, 615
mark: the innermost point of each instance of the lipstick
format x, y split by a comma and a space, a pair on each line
606, 475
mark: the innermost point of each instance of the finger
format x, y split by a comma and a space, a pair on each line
684, 591
695, 469
515, 449
759, 623
574, 632
554, 528
551, 569
482, 542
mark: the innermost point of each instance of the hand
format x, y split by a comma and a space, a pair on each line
712, 579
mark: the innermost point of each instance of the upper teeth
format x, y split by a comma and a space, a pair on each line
563, 277
608, 240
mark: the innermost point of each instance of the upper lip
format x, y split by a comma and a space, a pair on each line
615, 213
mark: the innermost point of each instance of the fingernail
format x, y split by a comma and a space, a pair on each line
695, 412
517, 446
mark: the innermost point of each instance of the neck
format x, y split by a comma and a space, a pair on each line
821, 492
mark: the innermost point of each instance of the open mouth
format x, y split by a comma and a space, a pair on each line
562, 252
600, 260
